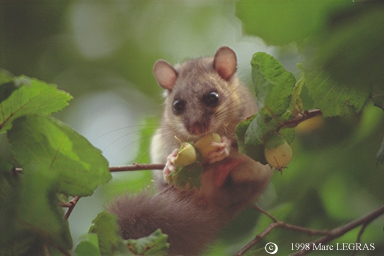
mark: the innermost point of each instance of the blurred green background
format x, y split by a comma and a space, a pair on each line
103, 53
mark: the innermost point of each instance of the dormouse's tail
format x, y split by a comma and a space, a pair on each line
190, 229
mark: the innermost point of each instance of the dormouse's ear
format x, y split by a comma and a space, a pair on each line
165, 74
225, 62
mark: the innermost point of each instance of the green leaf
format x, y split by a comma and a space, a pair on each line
47, 143
258, 128
5, 77
108, 233
33, 97
253, 150
273, 84
345, 66
9, 199
289, 134
24, 199
281, 22
278, 97
88, 247
380, 153
240, 131
350, 50
332, 98
187, 177
37, 199
377, 96
250, 138
297, 104
85, 248
154, 244
6, 84
274, 87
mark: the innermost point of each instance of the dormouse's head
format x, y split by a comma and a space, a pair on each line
201, 93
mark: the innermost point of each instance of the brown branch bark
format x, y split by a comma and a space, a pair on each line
258, 238
277, 224
300, 118
284, 225
136, 167
63, 251
125, 168
71, 205
358, 239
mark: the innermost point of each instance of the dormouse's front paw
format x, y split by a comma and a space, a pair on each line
221, 152
170, 165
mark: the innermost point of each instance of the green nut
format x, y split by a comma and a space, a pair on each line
277, 151
186, 155
204, 145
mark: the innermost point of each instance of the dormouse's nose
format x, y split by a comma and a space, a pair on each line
197, 128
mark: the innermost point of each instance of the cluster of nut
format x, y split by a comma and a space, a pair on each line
189, 161
191, 157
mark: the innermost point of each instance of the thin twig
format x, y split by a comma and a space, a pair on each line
362, 229
265, 213
63, 251
277, 224
258, 238
124, 168
308, 231
71, 204
284, 225
136, 167
65, 205
300, 118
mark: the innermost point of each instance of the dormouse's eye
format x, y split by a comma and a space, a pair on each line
211, 99
178, 106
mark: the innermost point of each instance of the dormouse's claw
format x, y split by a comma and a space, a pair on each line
221, 152
173, 154
216, 156
166, 174
170, 166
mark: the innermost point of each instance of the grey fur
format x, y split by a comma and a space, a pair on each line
190, 229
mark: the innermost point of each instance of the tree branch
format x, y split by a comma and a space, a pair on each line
362, 229
284, 225
124, 168
337, 232
327, 235
258, 238
276, 224
136, 167
70, 206
300, 118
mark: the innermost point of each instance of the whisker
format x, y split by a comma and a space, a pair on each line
134, 157
121, 129
229, 99
225, 111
